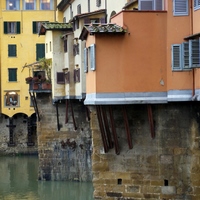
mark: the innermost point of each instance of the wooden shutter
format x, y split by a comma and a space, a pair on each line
180, 7
185, 55
12, 74
176, 57
85, 60
146, 5
12, 50
194, 53
5, 27
40, 51
18, 27
92, 57
60, 78
34, 27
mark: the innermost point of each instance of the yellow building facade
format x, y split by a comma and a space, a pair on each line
21, 45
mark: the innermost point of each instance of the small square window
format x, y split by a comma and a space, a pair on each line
11, 99
29, 4
46, 4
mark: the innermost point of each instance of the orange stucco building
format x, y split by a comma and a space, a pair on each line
147, 55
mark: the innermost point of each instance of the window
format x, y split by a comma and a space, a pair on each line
186, 55
196, 4
11, 27
11, 99
12, 4
79, 9
88, 5
76, 47
29, 5
46, 4
98, 3
65, 44
60, 78
92, 57
77, 75
180, 7
12, 74
36, 26
150, 5
12, 50
85, 60
40, 51
91, 20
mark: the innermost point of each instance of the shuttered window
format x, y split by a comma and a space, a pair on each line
11, 27
92, 57
185, 55
180, 7
194, 53
60, 78
36, 26
150, 4
176, 57
12, 50
12, 74
196, 4
85, 60
40, 51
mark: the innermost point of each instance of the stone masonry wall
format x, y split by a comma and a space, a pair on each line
64, 154
20, 137
167, 167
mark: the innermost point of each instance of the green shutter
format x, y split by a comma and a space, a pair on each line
34, 27
12, 74
5, 27
18, 27
12, 50
40, 51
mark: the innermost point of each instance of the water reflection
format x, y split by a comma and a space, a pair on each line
18, 181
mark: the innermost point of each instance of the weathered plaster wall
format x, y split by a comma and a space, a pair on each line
166, 167
63, 154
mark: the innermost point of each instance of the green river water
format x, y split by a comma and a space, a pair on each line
18, 181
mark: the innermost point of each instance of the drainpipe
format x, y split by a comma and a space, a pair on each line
191, 26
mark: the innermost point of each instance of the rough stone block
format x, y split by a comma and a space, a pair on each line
169, 190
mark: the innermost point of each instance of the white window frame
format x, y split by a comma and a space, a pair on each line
177, 8
29, 1
46, 1
9, 6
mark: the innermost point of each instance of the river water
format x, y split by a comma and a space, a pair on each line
18, 181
